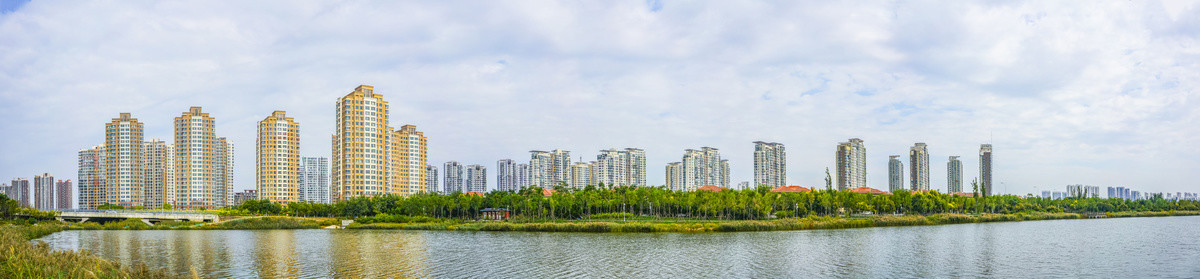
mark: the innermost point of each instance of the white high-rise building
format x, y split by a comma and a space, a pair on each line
954, 175
561, 169
43, 192
895, 173
91, 177
454, 177
314, 180
506, 175
770, 164
583, 174
224, 155
431, 178
918, 160
851, 164
521, 177
704, 167
540, 165
615, 167
158, 182
476, 179
675, 176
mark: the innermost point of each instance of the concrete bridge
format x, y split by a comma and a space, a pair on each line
149, 217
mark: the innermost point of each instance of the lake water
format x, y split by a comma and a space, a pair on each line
1109, 248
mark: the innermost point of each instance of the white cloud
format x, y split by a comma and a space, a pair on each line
1098, 94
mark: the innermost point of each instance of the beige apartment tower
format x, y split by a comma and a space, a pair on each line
158, 182
408, 153
277, 173
360, 145
198, 156
123, 161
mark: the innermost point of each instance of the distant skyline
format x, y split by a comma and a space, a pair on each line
1067, 93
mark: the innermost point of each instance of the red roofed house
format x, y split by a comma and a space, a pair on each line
791, 189
473, 193
963, 194
869, 190
711, 188
548, 192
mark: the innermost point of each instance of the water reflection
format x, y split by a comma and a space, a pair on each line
1120, 248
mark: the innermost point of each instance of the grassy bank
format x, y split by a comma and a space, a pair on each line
808, 223
253, 223
25, 259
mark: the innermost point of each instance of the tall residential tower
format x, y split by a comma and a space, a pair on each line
851, 164
770, 164
918, 164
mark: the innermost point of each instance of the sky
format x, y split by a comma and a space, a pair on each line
1100, 93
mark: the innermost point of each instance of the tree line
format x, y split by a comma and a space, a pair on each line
659, 202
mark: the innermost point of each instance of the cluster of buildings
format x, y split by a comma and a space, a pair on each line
547, 169
196, 169
44, 194
1089, 191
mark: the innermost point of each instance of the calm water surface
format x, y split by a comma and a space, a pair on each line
1167, 247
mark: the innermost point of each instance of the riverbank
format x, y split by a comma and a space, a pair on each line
246, 223
26, 259
807, 223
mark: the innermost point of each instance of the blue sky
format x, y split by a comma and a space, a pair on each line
1098, 94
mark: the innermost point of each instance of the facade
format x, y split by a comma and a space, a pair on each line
223, 191
91, 177
476, 179
615, 167
635, 167
985, 169
360, 145
158, 180
314, 180
243, 196
770, 164
43, 192
454, 177
895, 173
704, 167
20, 191
918, 160
584, 174
409, 151
506, 175
123, 161
62, 195
431, 178
196, 170
744, 185
277, 173
674, 176
1082, 191
954, 175
851, 164
561, 168
521, 176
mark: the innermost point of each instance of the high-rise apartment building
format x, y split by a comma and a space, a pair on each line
158, 181
918, 160
431, 178
360, 145
21, 192
521, 176
476, 179
895, 173
201, 162
851, 164
506, 175
704, 167
675, 176
584, 174
548, 169
409, 151
615, 167
561, 166
123, 161
985, 169
454, 177
314, 180
770, 164
635, 167
223, 191
954, 175
62, 195
43, 192
91, 177
277, 173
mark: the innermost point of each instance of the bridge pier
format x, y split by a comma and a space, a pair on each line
147, 221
